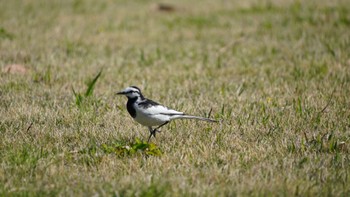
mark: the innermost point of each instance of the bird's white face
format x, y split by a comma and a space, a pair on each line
131, 92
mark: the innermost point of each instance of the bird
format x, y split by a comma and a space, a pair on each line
150, 113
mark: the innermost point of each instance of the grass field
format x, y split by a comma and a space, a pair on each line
276, 73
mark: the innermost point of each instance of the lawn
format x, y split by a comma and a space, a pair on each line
275, 73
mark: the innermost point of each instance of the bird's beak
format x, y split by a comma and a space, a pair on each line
120, 93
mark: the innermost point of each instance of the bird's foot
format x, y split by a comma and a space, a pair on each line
153, 133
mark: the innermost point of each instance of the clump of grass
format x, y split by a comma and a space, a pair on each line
321, 143
123, 149
45, 77
79, 97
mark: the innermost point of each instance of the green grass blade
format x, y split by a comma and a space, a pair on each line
78, 97
91, 85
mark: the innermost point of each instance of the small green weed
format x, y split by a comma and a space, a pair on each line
79, 98
130, 149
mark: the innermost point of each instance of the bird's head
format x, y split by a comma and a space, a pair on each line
131, 92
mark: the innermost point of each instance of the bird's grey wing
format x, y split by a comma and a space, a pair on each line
147, 103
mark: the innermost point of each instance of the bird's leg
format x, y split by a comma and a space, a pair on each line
154, 131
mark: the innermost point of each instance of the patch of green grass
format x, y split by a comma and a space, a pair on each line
121, 150
5, 34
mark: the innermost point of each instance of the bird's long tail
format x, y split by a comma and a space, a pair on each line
192, 117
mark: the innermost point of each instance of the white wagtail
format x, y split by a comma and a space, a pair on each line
150, 113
